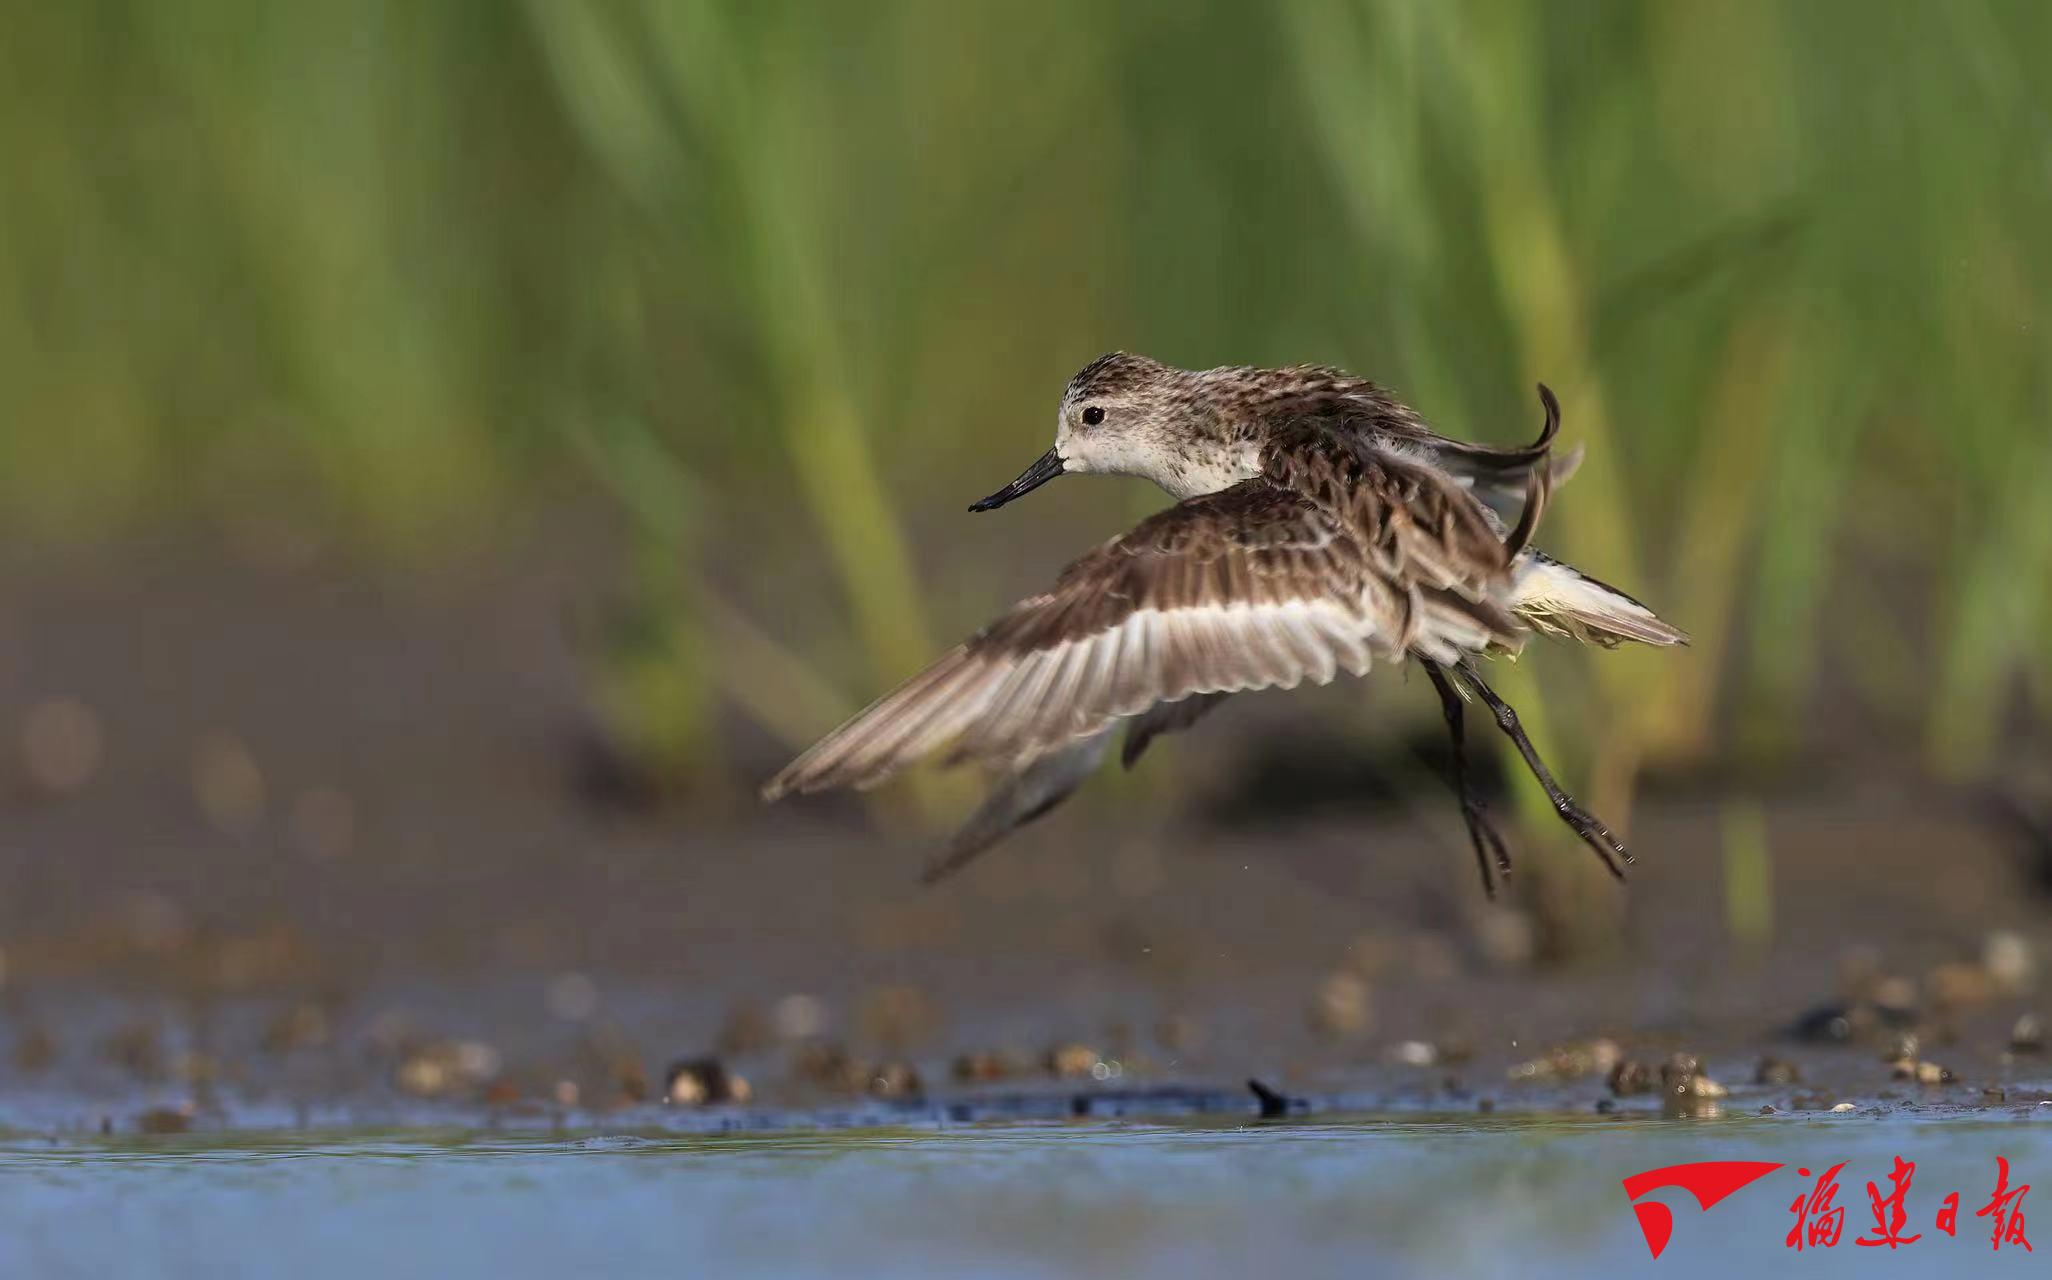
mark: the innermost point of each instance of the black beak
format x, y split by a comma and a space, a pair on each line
1049, 466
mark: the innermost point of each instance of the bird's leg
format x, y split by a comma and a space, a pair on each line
1586, 825
1480, 831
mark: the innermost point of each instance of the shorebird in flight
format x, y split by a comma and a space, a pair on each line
1320, 525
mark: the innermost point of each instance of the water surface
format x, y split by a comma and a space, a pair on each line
1415, 1195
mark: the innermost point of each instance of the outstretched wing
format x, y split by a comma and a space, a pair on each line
1257, 586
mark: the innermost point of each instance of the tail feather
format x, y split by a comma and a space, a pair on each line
1561, 600
1502, 484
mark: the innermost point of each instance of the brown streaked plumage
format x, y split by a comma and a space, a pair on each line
1321, 526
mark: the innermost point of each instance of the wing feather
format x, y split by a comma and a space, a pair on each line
1341, 553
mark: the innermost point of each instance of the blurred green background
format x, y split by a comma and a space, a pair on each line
782, 286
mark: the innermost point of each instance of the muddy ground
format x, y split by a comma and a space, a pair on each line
292, 841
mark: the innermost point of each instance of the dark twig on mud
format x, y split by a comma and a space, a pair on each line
1274, 1105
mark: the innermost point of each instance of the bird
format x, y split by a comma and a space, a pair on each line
1320, 526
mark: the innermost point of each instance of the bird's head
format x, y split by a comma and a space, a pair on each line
1127, 415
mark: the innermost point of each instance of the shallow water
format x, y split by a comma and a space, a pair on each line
1525, 1195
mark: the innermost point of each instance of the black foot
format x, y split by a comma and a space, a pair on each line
1491, 854
1490, 850
1609, 849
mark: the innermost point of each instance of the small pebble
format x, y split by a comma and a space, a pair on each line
1843, 1107
830, 1066
698, 1082
1414, 1053
1686, 1090
685, 1091
1571, 1061
1071, 1061
895, 1080
1630, 1077
1678, 1071
2028, 1035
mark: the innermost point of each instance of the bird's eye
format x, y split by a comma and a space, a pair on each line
1092, 416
